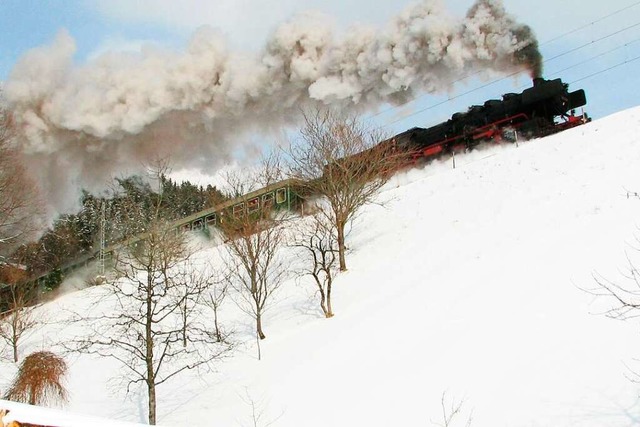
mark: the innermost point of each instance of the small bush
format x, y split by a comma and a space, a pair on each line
40, 380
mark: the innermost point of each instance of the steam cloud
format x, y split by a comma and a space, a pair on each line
82, 124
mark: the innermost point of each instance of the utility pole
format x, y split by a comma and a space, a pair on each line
103, 226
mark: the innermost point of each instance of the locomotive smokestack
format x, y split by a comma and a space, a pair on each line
85, 124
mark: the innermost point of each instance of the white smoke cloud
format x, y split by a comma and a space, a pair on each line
81, 124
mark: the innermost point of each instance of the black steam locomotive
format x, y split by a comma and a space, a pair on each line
545, 108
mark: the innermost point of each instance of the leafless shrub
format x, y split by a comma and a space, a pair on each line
259, 411
218, 290
451, 413
623, 293
40, 380
624, 296
318, 242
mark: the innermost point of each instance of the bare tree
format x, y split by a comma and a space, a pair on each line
19, 320
340, 159
254, 268
150, 313
190, 284
317, 239
218, 291
20, 209
259, 410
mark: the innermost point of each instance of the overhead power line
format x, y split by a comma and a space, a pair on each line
606, 69
575, 30
591, 42
595, 57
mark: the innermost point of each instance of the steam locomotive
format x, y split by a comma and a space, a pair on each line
545, 108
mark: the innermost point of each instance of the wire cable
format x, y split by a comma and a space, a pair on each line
591, 42
606, 69
594, 57
568, 33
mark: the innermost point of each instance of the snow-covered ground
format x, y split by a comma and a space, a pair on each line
464, 284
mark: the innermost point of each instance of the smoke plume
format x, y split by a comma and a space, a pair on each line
82, 124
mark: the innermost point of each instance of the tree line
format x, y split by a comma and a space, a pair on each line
119, 214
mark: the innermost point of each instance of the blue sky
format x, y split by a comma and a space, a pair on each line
27, 24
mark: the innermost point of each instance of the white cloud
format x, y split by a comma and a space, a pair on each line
121, 44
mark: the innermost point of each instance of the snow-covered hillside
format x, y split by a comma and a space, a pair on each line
465, 282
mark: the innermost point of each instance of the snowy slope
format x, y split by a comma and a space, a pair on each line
467, 281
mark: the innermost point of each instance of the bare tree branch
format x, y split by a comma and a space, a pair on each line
340, 158
451, 412
19, 321
625, 294
258, 412
318, 241
20, 207
253, 266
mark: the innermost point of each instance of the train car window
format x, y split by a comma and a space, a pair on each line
253, 205
267, 200
238, 210
197, 224
210, 220
281, 195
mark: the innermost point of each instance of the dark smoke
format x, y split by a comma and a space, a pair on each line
529, 55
